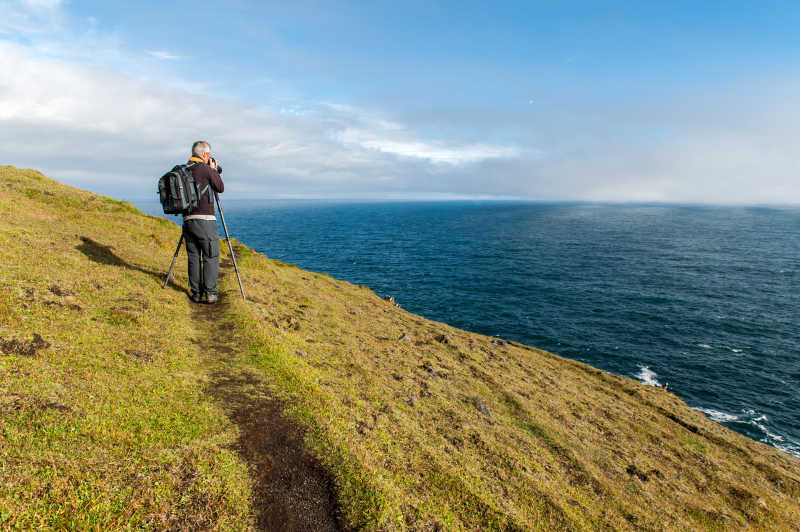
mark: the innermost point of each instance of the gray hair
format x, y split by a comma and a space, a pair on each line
200, 147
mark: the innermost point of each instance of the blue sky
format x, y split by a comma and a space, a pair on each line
603, 101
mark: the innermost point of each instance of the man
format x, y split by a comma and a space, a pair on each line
200, 226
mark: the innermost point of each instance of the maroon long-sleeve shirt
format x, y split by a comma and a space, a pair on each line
203, 175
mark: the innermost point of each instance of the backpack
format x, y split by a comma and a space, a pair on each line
178, 190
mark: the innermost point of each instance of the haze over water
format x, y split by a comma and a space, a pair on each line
702, 298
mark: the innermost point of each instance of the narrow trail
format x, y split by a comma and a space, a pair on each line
291, 491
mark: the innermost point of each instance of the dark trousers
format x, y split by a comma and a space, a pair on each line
202, 242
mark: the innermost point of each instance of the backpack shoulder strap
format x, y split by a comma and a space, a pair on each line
208, 189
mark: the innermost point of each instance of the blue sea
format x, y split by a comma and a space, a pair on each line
706, 299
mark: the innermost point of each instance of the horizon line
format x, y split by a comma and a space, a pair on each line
497, 199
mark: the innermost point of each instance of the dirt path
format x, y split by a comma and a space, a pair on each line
290, 489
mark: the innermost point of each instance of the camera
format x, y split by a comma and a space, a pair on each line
216, 165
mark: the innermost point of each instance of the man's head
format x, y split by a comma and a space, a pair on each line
202, 149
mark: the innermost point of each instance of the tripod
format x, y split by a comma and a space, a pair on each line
230, 247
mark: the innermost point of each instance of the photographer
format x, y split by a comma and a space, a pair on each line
200, 227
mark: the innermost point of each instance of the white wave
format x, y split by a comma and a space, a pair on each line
771, 436
647, 376
776, 440
736, 350
716, 415
792, 449
755, 419
705, 346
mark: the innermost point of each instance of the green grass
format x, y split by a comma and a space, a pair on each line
112, 426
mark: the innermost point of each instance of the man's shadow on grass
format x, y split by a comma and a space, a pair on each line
102, 254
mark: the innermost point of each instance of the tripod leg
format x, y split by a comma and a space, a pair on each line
172, 265
230, 246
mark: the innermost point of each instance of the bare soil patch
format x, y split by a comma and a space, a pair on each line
291, 491
27, 348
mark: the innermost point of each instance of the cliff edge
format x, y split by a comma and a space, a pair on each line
317, 404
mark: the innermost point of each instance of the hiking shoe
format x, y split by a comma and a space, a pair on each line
212, 298
196, 297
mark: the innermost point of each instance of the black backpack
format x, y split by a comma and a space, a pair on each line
178, 191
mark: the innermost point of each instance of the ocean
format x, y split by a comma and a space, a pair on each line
704, 299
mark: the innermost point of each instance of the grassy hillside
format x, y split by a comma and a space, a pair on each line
123, 405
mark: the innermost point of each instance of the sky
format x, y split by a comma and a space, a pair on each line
690, 102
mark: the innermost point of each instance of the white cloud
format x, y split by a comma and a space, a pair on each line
108, 132
160, 54
435, 152
29, 17
41, 4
